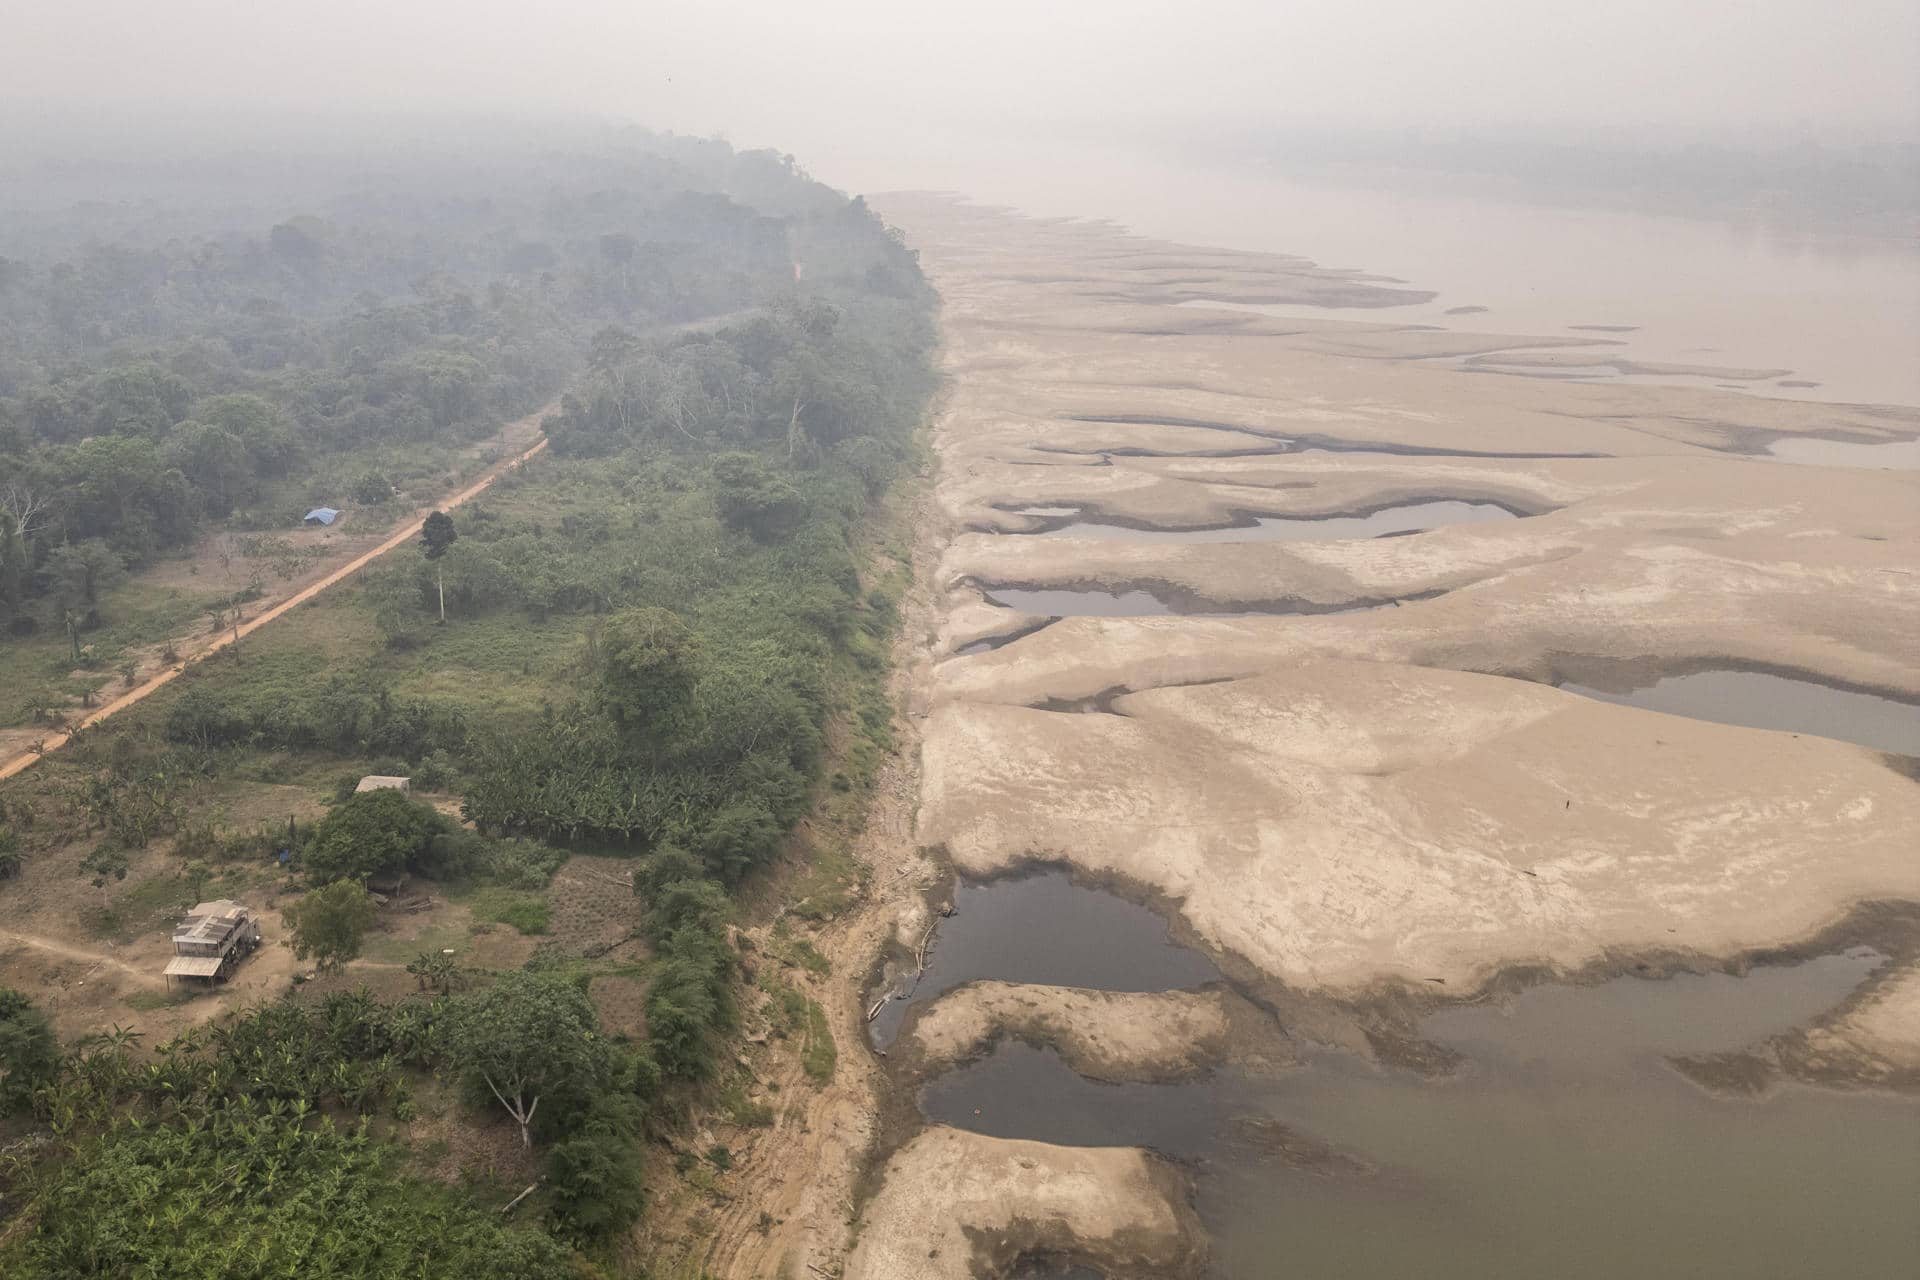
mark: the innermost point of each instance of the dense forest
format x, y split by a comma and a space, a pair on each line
654, 643
159, 372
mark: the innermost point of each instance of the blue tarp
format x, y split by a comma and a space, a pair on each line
322, 515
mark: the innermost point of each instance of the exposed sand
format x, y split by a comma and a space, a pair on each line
1883, 1030
1340, 823
1343, 805
1343, 812
1104, 1035
960, 1205
1872, 1040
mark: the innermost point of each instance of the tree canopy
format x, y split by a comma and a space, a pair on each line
649, 663
371, 834
169, 362
437, 535
530, 1038
255, 1197
660, 616
328, 923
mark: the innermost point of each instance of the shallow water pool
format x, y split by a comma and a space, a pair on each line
1762, 700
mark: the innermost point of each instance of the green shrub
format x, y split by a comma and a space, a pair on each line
818, 1056
29, 1053
520, 864
435, 772
329, 924
148, 1201
371, 488
597, 1175
373, 833
751, 497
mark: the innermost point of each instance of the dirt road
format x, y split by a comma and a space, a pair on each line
402, 532
88, 955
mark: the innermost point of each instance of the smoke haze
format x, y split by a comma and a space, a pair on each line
871, 93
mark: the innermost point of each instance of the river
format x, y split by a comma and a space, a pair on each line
1566, 1145
1835, 310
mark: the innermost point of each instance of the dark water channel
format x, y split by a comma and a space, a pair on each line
1759, 700
1412, 517
1087, 602
1041, 928
1565, 1147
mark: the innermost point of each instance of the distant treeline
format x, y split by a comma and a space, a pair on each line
161, 368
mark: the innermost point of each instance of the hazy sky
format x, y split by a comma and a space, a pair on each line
856, 83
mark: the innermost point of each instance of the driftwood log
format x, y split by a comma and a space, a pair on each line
508, 1207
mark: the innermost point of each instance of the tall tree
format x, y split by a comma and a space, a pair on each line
437, 536
529, 1037
80, 574
22, 513
328, 924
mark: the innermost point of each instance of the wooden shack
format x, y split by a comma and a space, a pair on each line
211, 941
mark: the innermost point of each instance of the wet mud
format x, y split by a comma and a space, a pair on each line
1901, 455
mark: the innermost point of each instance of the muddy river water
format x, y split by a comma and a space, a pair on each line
1565, 1143
1834, 310
1041, 928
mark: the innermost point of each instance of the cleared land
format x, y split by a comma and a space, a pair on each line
330, 557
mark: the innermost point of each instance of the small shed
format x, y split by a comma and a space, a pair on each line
383, 782
321, 515
211, 941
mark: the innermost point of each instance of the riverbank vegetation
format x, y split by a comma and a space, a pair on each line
663, 644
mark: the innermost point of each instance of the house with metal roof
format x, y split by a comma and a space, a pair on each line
211, 940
